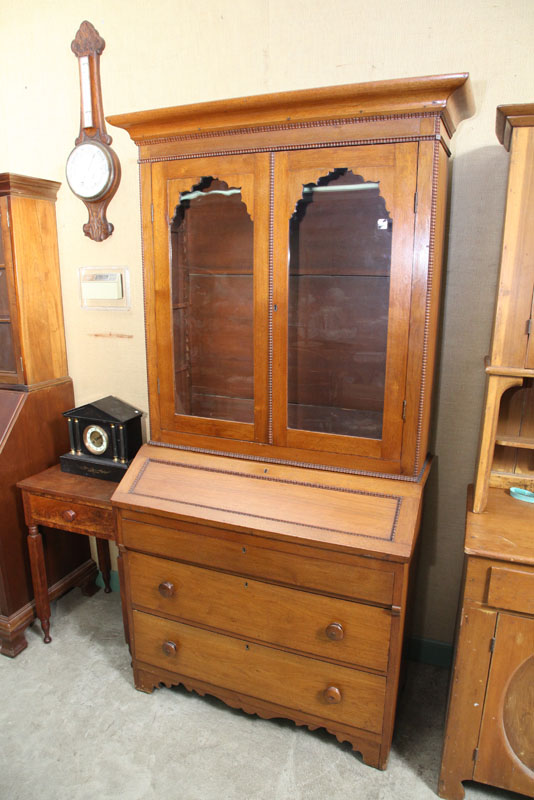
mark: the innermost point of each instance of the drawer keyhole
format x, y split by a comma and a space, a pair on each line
166, 589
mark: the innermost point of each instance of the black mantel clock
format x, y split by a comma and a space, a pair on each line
104, 438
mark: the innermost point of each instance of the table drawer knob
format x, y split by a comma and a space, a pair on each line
166, 589
69, 516
332, 695
335, 631
169, 648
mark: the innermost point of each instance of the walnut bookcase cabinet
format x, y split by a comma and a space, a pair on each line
34, 391
507, 438
489, 733
292, 253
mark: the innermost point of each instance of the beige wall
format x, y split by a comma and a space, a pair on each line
164, 53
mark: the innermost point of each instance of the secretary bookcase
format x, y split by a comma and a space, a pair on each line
292, 252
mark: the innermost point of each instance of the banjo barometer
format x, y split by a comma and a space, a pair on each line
93, 168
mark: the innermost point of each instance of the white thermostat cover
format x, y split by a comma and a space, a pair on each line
105, 288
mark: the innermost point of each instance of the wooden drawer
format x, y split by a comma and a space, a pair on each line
499, 584
323, 626
289, 680
512, 589
75, 517
353, 577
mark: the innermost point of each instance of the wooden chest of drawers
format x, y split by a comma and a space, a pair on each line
280, 590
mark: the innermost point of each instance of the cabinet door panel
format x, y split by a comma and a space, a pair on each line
506, 744
210, 252
346, 216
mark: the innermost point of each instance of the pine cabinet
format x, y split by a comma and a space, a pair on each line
490, 723
489, 734
292, 252
507, 435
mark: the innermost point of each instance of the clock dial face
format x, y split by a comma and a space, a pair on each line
90, 170
95, 439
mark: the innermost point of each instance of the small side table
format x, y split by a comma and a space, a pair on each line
71, 503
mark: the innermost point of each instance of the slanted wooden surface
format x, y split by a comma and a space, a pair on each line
352, 513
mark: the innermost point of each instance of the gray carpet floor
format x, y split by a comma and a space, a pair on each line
73, 727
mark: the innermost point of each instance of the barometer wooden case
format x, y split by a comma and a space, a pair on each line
292, 252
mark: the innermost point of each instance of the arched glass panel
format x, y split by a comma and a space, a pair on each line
339, 274
212, 303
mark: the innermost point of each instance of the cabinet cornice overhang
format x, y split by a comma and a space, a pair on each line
22, 186
510, 117
447, 96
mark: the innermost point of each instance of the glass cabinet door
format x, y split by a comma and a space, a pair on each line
8, 360
211, 270
342, 291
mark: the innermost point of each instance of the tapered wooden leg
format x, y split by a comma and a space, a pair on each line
39, 579
124, 604
104, 562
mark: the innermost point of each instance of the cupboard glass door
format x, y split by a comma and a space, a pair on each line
8, 355
210, 242
342, 281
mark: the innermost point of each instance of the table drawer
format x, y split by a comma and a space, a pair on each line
512, 589
323, 626
325, 690
361, 579
70, 516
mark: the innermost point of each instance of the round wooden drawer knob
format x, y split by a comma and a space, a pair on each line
69, 516
166, 589
169, 648
335, 631
332, 695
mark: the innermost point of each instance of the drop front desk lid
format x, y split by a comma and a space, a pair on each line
353, 513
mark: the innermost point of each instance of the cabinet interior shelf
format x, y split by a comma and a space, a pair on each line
524, 442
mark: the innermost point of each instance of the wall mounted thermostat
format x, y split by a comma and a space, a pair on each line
105, 288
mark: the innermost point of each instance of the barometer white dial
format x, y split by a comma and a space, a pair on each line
90, 170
